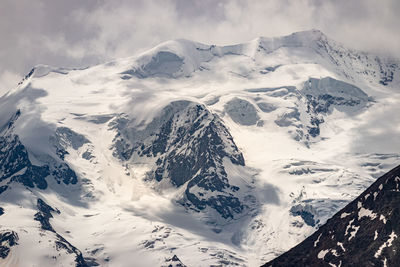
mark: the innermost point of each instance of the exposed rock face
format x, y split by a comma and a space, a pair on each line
364, 233
43, 217
322, 95
8, 239
44, 214
64, 138
174, 261
14, 160
15, 165
188, 144
315, 102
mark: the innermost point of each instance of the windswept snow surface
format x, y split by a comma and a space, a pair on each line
316, 123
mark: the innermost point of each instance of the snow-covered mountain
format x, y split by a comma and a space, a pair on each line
192, 154
364, 233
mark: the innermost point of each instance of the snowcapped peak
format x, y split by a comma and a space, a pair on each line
170, 59
184, 47
180, 47
179, 58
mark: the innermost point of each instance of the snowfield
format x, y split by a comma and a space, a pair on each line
193, 154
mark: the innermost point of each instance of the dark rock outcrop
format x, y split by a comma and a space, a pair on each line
8, 239
188, 144
16, 166
174, 261
43, 217
14, 160
44, 214
322, 95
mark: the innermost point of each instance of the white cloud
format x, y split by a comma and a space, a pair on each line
125, 27
76, 33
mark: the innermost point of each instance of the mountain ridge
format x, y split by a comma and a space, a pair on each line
196, 53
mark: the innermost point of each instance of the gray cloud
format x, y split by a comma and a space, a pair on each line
78, 33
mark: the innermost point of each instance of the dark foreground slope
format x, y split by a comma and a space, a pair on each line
364, 233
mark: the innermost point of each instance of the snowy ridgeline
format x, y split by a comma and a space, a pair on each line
192, 154
181, 58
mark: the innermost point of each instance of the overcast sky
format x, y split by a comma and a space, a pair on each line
77, 33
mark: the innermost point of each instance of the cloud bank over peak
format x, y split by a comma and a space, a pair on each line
79, 33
